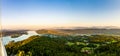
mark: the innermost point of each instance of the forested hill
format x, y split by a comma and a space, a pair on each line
94, 45
81, 31
13, 32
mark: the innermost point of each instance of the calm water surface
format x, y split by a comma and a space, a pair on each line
7, 39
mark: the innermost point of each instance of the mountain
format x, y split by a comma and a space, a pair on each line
93, 27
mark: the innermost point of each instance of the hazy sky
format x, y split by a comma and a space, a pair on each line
60, 13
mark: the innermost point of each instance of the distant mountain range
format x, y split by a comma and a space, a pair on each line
72, 28
93, 27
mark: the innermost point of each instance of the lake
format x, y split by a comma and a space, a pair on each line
7, 39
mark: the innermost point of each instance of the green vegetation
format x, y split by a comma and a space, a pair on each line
56, 45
